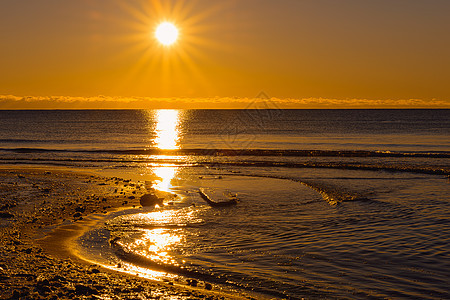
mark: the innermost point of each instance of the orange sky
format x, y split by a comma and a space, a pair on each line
301, 54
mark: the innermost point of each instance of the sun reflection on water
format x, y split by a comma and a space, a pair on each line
165, 233
167, 137
167, 129
155, 243
165, 174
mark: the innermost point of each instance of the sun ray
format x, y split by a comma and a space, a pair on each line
153, 67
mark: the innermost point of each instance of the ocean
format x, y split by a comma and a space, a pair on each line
348, 204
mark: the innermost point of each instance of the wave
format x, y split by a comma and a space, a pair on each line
121, 163
242, 152
18, 141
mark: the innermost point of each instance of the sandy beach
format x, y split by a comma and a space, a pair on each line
42, 211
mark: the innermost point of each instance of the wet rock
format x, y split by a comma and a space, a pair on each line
150, 200
76, 215
192, 282
208, 286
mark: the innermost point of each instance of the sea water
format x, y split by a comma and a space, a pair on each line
332, 203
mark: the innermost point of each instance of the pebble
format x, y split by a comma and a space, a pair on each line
6, 215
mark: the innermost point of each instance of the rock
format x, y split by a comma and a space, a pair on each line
6, 215
81, 289
150, 200
208, 286
80, 209
77, 215
15, 295
137, 289
58, 278
192, 282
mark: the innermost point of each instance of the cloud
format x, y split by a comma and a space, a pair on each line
108, 102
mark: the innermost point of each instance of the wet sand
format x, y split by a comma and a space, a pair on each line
42, 212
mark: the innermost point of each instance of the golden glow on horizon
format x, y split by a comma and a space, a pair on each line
232, 49
167, 131
166, 33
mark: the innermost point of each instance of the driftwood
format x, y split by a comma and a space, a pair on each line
232, 201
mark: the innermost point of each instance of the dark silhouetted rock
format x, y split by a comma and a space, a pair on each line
80, 209
81, 289
151, 200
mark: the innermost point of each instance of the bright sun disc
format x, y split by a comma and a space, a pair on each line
166, 33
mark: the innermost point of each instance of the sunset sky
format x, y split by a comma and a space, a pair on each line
298, 54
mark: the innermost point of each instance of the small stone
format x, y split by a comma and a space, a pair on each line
76, 215
80, 209
81, 289
208, 286
58, 278
192, 282
6, 215
137, 289
15, 295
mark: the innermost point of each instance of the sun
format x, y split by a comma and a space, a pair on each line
166, 33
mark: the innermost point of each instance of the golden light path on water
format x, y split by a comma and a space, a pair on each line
167, 129
167, 137
155, 244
